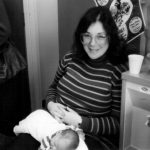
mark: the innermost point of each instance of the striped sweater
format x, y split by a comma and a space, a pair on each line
91, 89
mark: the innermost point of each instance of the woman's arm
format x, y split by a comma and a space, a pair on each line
52, 90
53, 107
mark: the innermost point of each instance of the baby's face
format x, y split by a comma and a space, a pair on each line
59, 143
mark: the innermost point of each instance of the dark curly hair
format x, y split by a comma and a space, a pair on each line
116, 52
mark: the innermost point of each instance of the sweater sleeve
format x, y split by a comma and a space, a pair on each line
108, 124
52, 90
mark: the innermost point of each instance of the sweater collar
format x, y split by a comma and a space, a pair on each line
97, 62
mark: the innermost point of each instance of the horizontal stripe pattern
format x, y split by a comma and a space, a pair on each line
94, 92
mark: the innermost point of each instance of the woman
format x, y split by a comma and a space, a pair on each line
88, 80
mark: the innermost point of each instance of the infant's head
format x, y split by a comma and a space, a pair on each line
67, 139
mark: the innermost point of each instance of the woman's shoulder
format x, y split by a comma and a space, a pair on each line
118, 67
66, 59
69, 55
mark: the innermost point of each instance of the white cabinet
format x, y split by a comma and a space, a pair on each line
135, 109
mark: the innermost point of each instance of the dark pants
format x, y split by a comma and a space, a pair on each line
92, 143
20, 142
27, 142
99, 143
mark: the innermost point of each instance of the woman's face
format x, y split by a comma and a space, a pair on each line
95, 40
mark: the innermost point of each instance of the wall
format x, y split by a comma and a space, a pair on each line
69, 13
48, 41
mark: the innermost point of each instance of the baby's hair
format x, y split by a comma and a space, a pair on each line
72, 136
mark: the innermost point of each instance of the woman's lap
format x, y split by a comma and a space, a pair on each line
95, 143
27, 142
5, 141
24, 142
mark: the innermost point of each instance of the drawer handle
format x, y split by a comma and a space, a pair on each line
145, 89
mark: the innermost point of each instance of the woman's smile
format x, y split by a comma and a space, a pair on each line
98, 42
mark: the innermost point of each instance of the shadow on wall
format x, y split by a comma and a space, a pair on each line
14, 93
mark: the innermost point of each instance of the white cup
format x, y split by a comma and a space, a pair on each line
135, 63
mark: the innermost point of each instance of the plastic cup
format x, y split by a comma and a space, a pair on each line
135, 63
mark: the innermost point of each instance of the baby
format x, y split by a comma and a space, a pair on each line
50, 133
66, 139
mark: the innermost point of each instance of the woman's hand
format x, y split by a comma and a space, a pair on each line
71, 117
56, 110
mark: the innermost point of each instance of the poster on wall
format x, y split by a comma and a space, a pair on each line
128, 16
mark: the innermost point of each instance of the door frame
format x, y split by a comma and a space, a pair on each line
32, 50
